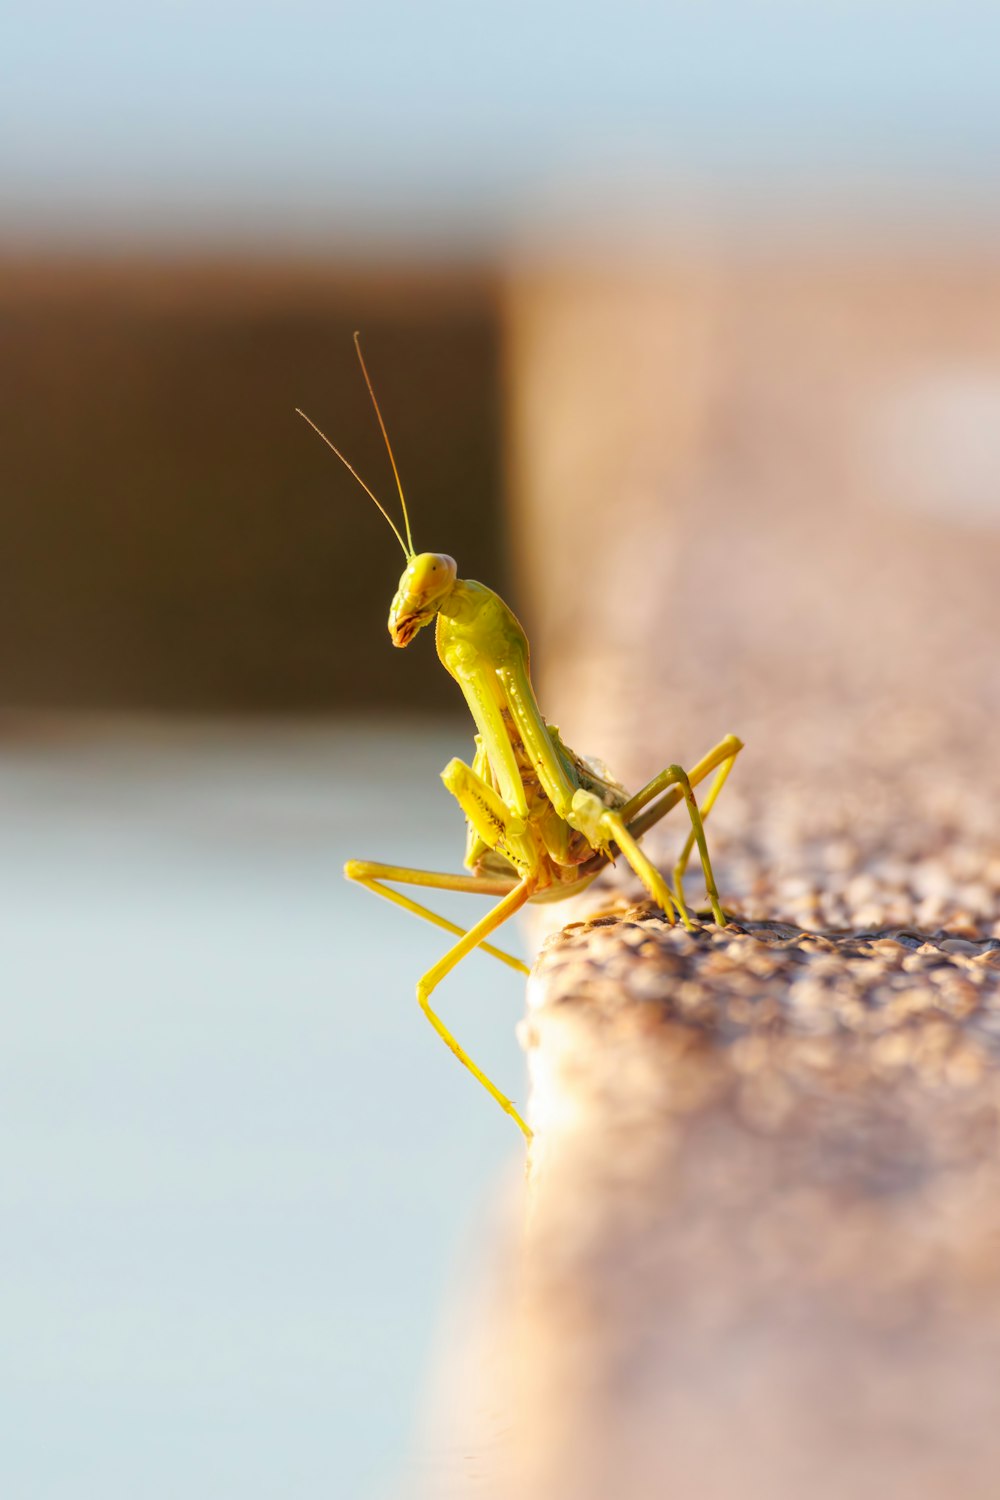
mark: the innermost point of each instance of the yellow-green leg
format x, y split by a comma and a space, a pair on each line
706, 808
640, 822
648, 873
370, 875
698, 835
511, 903
645, 869
677, 784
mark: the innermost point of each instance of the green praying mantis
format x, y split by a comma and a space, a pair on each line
542, 820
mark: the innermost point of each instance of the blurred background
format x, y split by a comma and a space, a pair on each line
641, 289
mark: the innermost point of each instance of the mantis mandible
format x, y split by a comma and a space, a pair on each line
542, 821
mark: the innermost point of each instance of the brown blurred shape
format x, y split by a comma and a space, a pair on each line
174, 537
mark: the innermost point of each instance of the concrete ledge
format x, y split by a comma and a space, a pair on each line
762, 1253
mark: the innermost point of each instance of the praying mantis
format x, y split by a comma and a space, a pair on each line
542, 821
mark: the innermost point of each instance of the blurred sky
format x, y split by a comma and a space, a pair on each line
341, 122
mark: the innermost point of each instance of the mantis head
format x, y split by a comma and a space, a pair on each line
426, 582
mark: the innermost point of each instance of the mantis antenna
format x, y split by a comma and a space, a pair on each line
399, 484
407, 551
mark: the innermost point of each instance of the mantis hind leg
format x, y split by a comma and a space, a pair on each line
639, 822
696, 836
371, 876
689, 843
644, 868
647, 872
677, 783
511, 903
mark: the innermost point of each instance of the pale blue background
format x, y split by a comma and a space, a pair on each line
234, 1159
436, 122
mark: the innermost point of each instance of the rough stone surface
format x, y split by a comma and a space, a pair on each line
763, 1251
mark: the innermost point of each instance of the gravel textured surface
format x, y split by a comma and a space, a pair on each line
771, 1016
763, 1251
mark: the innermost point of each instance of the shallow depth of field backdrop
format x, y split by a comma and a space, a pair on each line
237, 1170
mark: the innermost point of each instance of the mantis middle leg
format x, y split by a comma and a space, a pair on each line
511, 903
504, 832
371, 876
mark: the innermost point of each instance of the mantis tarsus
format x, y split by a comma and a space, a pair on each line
542, 820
